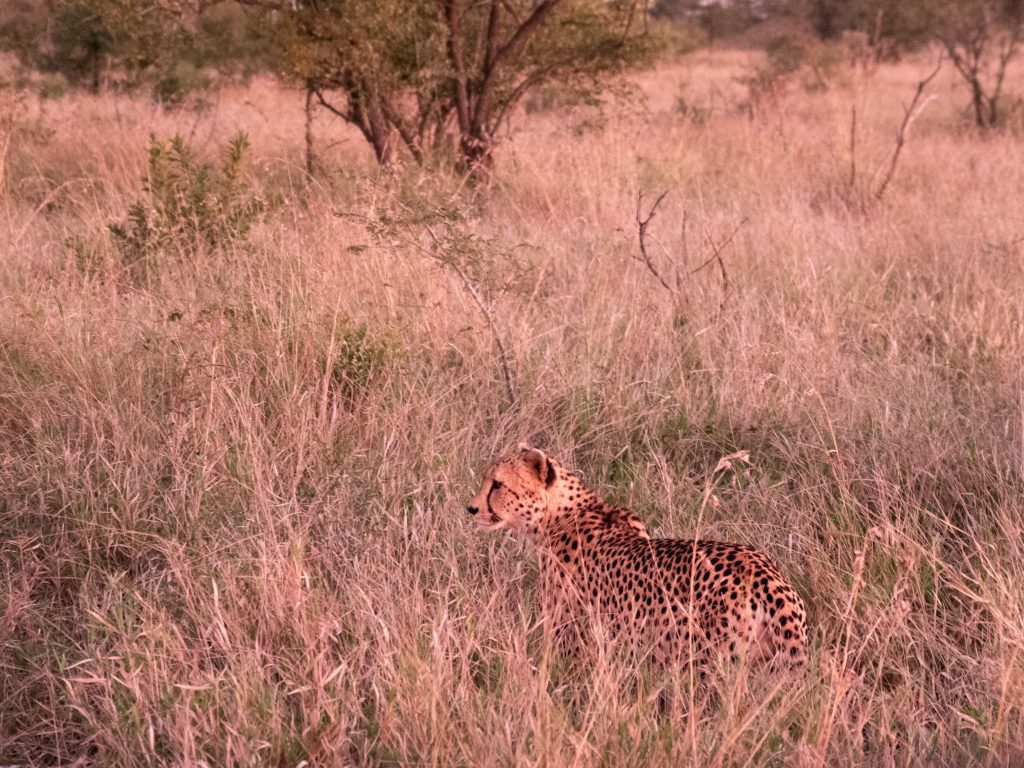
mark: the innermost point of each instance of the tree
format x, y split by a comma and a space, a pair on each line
77, 39
422, 75
981, 37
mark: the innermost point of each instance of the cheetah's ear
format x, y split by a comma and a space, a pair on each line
539, 462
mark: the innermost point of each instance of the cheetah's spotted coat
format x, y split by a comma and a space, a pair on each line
599, 564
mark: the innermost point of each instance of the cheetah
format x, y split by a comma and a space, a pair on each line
672, 599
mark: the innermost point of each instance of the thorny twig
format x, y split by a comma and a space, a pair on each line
485, 310
436, 251
912, 112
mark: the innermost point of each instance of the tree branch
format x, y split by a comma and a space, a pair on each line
270, 5
717, 250
346, 116
512, 46
909, 116
518, 92
453, 15
491, 40
405, 133
524, 30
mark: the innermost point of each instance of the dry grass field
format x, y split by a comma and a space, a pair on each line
233, 476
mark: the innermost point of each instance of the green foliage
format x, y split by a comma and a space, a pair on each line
980, 37
587, 39
905, 24
81, 39
483, 266
695, 113
22, 131
358, 356
191, 205
184, 79
785, 55
790, 59
131, 44
437, 79
716, 19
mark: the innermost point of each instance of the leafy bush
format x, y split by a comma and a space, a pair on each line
180, 84
191, 205
790, 59
785, 55
357, 357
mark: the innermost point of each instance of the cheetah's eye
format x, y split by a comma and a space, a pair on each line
496, 485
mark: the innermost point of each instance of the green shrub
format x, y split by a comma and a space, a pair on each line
357, 357
191, 206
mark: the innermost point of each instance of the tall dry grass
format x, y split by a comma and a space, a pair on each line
231, 491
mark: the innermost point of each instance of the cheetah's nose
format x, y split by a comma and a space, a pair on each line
472, 510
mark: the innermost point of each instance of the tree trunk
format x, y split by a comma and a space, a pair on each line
379, 133
369, 116
95, 67
478, 155
978, 101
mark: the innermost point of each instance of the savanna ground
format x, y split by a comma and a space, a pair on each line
233, 477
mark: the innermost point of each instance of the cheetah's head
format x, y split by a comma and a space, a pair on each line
517, 491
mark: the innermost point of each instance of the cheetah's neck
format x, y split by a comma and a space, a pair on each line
586, 516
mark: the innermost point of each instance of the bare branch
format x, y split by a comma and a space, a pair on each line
717, 249
910, 115
439, 251
491, 40
1006, 53
404, 131
684, 248
716, 256
629, 21
642, 223
519, 91
270, 5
